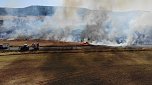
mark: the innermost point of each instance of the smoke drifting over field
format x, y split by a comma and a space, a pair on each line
61, 24
141, 29
76, 24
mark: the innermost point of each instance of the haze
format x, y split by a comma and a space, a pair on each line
115, 5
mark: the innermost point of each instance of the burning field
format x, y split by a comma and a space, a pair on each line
75, 64
75, 45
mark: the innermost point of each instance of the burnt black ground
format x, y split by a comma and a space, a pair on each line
95, 68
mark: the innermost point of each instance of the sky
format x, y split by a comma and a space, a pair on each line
25, 3
119, 5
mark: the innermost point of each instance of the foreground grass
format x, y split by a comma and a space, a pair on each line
104, 68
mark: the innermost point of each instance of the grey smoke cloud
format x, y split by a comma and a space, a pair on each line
128, 5
115, 5
142, 26
91, 4
95, 25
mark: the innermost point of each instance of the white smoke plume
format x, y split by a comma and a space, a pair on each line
94, 20
70, 23
141, 29
95, 30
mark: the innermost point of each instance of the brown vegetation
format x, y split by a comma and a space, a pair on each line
96, 68
41, 42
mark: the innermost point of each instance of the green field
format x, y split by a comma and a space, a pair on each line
95, 68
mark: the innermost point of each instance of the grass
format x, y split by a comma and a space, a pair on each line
95, 68
12, 57
41, 42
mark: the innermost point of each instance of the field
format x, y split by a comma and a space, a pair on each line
41, 42
84, 68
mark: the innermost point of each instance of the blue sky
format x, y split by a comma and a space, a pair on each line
24, 3
122, 5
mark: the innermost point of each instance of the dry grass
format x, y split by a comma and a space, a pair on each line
41, 42
104, 68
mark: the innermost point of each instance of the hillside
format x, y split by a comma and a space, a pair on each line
28, 11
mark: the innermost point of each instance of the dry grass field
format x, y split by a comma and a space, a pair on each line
41, 42
95, 68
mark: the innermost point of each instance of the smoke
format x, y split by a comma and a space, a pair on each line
71, 3
98, 25
90, 4
61, 25
95, 31
141, 29
55, 26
